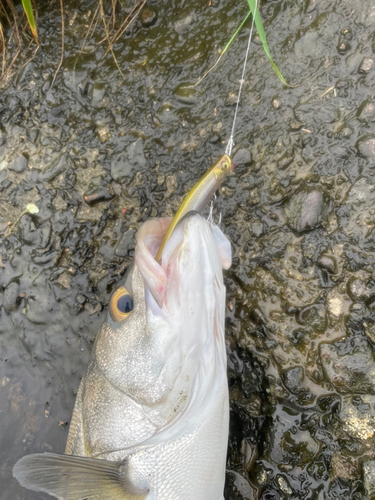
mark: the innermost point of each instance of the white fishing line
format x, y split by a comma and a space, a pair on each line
230, 144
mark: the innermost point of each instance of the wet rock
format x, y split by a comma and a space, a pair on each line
254, 197
242, 157
186, 94
184, 23
276, 102
359, 290
328, 263
11, 297
126, 243
367, 111
54, 169
361, 192
366, 64
18, 165
285, 160
293, 379
148, 17
97, 92
306, 209
358, 416
257, 229
131, 160
369, 477
350, 366
284, 485
314, 316
343, 47
231, 100
343, 467
366, 146
5, 184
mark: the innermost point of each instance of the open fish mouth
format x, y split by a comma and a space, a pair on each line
192, 258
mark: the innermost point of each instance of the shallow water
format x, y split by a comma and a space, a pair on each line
300, 212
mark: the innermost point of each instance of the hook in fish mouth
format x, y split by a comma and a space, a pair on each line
210, 218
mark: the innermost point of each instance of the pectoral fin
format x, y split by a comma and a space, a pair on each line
76, 478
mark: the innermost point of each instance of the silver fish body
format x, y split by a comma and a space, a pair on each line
152, 411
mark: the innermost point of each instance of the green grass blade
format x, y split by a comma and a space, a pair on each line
224, 50
262, 35
236, 33
28, 8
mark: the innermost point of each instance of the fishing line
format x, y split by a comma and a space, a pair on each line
230, 144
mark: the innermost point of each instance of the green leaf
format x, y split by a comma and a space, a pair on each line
262, 35
28, 8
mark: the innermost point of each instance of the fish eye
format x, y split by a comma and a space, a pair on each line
225, 165
120, 305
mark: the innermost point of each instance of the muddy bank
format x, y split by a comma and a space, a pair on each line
99, 155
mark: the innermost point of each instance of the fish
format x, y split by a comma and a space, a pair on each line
151, 416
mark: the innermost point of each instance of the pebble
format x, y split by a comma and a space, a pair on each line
306, 209
133, 159
18, 165
185, 23
343, 47
126, 243
358, 290
367, 111
10, 300
148, 17
242, 157
185, 94
314, 316
328, 263
293, 379
366, 146
54, 169
369, 477
366, 64
285, 160
352, 372
254, 197
231, 100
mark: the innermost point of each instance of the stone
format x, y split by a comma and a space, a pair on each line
314, 316
185, 94
184, 23
254, 197
126, 243
343, 467
359, 290
366, 64
293, 379
242, 157
148, 17
54, 169
366, 146
358, 416
18, 165
369, 477
10, 300
367, 111
285, 160
349, 365
328, 263
131, 160
306, 209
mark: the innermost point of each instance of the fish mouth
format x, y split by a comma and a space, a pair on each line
196, 251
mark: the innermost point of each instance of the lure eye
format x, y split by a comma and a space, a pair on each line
120, 305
